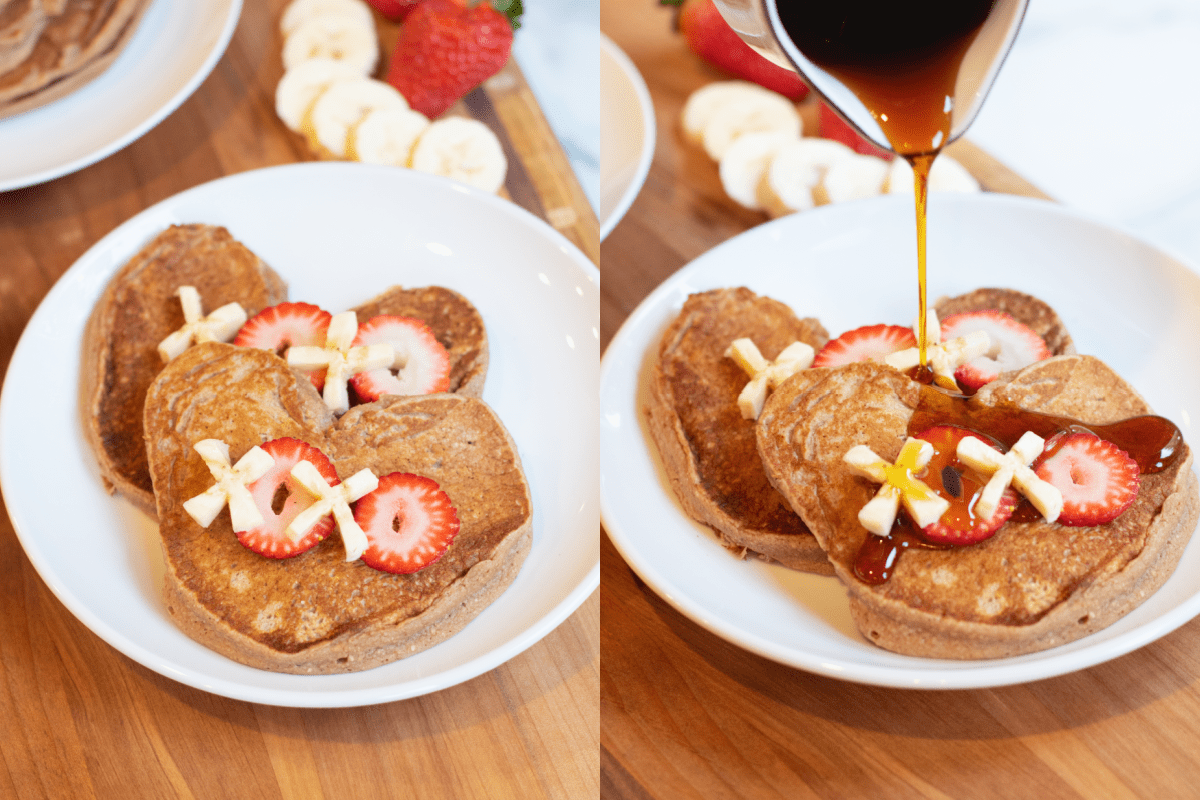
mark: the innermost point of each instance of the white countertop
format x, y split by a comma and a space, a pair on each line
558, 50
1098, 105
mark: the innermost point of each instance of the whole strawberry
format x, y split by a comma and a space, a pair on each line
710, 37
447, 48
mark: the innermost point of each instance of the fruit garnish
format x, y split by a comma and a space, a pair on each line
280, 498
964, 522
286, 325
422, 365
332, 498
765, 374
1013, 345
340, 359
900, 485
709, 36
447, 48
216, 327
1011, 468
230, 488
944, 358
868, 343
409, 523
1098, 480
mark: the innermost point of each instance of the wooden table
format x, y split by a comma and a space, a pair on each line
685, 714
80, 720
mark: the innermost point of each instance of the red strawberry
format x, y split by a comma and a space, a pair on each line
426, 364
1098, 480
1014, 345
395, 10
280, 498
831, 126
279, 327
961, 485
868, 343
446, 49
409, 522
709, 36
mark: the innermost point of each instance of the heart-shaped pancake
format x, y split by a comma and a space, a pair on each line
316, 613
1032, 585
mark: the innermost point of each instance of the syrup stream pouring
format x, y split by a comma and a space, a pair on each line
910, 80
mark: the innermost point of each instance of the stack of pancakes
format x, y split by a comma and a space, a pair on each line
49, 48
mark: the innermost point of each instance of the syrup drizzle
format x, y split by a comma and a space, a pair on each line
1153, 442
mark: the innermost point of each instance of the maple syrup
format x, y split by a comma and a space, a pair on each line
1152, 441
903, 64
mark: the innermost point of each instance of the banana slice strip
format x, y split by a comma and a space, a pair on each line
797, 169
339, 109
702, 104
463, 149
749, 112
744, 164
387, 136
946, 175
339, 35
300, 11
852, 179
301, 85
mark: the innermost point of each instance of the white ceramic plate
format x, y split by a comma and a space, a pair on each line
174, 49
626, 134
339, 234
850, 265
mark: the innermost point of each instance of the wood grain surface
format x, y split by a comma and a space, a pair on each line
686, 715
80, 720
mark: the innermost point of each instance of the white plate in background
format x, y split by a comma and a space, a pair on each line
626, 134
339, 234
175, 47
853, 264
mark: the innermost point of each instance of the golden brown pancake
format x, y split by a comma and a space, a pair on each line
316, 613
707, 448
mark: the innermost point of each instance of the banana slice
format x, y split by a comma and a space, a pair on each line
463, 149
749, 112
340, 108
744, 163
300, 87
702, 104
387, 136
339, 35
300, 11
851, 179
946, 175
796, 171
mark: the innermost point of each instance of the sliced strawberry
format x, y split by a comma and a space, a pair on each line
1014, 345
280, 497
422, 365
279, 327
1098, 480
868, 343
409, 522
961, 485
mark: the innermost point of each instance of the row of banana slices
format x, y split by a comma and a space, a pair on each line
766, 164
328, 96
